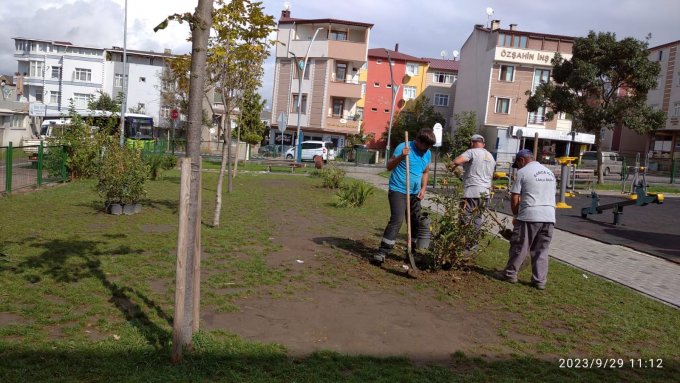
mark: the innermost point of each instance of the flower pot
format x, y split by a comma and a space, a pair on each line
137, 207
114, 208
128, 209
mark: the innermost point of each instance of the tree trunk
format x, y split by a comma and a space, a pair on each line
200, 35
230, 175
598, 143
220, 179
238, 147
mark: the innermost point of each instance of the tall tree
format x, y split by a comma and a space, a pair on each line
200, 23
250, 124
603, 85
417, 114
105, 102
466, 125
237, 53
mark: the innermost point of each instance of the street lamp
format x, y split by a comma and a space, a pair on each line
302, 67
123, 104
394, 98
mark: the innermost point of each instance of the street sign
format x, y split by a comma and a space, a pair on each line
282, 122
437, 134
36, 109
174, 114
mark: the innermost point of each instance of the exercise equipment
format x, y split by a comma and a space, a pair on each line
642, 198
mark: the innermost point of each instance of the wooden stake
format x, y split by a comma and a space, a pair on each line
180, 273
197, 259
408, 207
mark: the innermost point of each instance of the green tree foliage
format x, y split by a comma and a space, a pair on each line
105, 102
417, 114
121, 173
466, 125
250, 121
603, 85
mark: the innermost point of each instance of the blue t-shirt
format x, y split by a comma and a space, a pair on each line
418, 162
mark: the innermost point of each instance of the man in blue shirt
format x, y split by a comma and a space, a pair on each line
418, 152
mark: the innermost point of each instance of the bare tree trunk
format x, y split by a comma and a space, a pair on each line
230, 174
220, 180
200, 34
598, 143
238, 148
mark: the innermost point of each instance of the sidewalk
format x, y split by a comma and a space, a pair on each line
653, 276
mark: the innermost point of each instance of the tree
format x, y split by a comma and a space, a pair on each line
417, 114
105, 102
238, 49
250, 124
199, 23
603, 85
466, 125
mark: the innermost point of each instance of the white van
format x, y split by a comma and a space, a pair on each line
612, 162
311, 149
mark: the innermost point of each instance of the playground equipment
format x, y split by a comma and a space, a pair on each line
639, 176
642, 198
501, 176
565, 163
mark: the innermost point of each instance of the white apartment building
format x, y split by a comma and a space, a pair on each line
55, 72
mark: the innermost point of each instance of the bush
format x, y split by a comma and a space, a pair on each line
451, 235
121, 173
332, 176
353, 194
159, 163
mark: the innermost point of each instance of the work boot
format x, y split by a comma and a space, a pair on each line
378, 258
502, 276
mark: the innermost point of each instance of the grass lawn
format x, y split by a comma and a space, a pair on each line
86, 296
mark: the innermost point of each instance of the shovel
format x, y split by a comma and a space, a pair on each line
413, 269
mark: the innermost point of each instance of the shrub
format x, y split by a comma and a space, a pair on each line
332, 176
159, 163
121, 173
353, 194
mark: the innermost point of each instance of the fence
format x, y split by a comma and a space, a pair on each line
28, 167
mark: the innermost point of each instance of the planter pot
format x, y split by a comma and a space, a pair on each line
114, 208
129, 209
137, 207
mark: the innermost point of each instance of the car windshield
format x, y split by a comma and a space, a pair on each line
589, 156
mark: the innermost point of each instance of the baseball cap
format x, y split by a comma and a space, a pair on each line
477, 137
520, 154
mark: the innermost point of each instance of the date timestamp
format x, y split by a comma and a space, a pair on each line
592, 363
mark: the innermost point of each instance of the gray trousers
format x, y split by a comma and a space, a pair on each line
531, 237
397, 216
471, 211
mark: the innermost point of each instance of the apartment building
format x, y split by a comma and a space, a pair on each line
497, 67
52, 73
406, 79
329, 91
440, 87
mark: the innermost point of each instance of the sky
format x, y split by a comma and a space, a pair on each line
422, 28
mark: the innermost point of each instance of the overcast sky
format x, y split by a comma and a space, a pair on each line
422, 28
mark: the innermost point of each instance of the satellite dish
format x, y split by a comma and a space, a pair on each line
455, 54
286, 6
444, 54
489, 11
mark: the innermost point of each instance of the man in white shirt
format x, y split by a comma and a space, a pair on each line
479, 165
533, 209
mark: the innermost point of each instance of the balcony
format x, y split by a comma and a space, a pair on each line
342, 124
350, 88
536, 119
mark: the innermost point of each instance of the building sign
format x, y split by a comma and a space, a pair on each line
549, 134
526, 56
36, 109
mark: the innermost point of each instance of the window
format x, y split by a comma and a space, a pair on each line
378, 61
296, 72
441, 99
39, 94
541, 76
36, 69
374, 109
503, 105
387, 110
340, 71
142, 79
676, 109
412, 69
16, 121
54, 97
338, 107
303, 106
444, 78
83, 74
507, 73
506, 40
660, 55
360, 114
165, 111
376, 84
338, 35
409, 92
388, 86
537, 117
56, 71
80, 100
118, 80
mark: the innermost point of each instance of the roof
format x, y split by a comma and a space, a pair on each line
54, 42
143, 53
677, 42
450, 65
394, 55
525, 33
290, 20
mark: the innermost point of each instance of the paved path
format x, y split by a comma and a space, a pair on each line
647, 274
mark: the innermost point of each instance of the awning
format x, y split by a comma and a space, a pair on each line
550, 134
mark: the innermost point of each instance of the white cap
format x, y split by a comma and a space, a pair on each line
477, 137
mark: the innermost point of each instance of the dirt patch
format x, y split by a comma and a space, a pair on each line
9, 319
159, 286
149, 228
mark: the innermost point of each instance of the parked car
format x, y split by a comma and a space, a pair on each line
612, 162
311, 149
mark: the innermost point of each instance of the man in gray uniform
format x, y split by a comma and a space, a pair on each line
533, 209
479, 165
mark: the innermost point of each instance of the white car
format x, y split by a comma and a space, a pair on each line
311, 149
